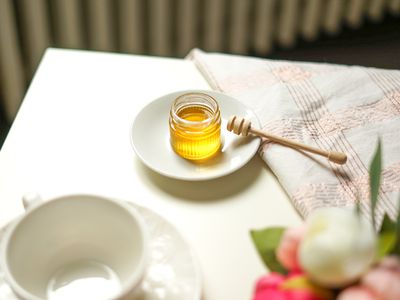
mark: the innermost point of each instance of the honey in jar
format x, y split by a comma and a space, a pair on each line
195, 126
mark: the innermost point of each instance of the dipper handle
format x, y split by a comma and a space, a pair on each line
241, 126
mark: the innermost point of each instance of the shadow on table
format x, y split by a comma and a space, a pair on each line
209, 190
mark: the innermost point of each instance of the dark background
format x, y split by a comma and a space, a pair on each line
372, 45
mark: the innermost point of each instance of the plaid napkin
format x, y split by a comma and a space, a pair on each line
333, 107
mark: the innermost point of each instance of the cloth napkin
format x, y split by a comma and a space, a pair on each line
333, 107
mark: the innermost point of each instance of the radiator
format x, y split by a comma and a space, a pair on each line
164, 28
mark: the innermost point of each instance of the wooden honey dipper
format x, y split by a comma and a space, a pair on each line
242, 126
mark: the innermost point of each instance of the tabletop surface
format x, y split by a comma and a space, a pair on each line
71, 135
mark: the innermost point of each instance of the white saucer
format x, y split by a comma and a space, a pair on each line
172, 272
150, 140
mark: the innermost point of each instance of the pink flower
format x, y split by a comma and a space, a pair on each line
267, 287
287, 252
357, 293
275, 286
380, 283
384, 280
272, 280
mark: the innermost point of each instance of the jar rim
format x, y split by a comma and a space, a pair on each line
210, 99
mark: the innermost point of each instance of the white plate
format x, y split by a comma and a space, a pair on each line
150, 140
172, 272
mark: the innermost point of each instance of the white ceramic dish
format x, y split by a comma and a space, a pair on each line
150, 140
172, 272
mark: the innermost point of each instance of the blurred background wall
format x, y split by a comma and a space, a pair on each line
363, 32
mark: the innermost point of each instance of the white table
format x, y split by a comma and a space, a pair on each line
71, 135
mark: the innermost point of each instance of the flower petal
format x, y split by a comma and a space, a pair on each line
356, 293
270, 294
383, 282
287, 252
390, 262
272, 280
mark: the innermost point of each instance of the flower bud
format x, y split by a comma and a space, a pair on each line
338, 246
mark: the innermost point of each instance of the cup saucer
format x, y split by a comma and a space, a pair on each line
172, 272
150, 140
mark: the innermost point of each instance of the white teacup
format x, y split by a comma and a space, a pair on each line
75, 247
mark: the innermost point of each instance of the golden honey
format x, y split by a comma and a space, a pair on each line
195, 126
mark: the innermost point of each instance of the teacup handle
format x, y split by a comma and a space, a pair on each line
30, 200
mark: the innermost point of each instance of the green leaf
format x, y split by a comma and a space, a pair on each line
374, 179
266, 242
386, 237
396, 249
386, 243
387, 225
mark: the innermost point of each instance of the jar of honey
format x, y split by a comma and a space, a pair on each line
195, 126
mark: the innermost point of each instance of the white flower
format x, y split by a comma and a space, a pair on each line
339, 246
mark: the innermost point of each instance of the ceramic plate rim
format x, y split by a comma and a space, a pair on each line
196, 264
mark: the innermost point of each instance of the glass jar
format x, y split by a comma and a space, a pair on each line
195, 126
